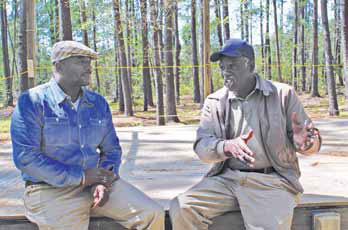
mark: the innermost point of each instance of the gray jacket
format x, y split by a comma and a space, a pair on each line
279, 102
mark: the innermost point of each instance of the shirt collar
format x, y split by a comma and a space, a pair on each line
261, 85
59, 95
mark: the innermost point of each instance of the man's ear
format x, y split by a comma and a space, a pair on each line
251, 65
58, 66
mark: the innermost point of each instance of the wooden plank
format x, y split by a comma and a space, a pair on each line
314, 200
302, 219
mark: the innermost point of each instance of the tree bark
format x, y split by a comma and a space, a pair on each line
268, 45
294, 52
206, 49
277, 41
338, 21
314, 88
177, 54
129, 38
84, 22
56, 20
262, 42
51, 11
218, 19
123, 61
161, 31
95, 47
202, 56
22, 48
241, 10
226, 20
158, 74
345, 43
146, 70
14, 42
170, 90
195, 69
333, 105
65, 20
5, 55
246, 19
31, 42
303, 47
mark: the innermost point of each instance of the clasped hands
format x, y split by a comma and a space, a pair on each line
303, 136
101, 181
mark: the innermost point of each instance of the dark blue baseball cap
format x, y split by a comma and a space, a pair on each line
234, 48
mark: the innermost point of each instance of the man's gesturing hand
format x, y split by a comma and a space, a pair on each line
303, 133
238, 149
99, 176
100, 195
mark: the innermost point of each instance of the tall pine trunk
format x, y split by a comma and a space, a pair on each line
129, 39
303, 47
268, 45
5, 55
123, 61
314, 88
246, 19
345, 44
195, 69
22, 48
201, 83
241, 11
95, 47
170, 89
226, 20
338, 21
277, 41
261, 39
177, 54
218, 20
294, 52
65, 20
56, 20
146, 70
333, 105
158, 74
84, 22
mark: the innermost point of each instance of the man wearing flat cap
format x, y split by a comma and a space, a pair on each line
65, 145
251, 130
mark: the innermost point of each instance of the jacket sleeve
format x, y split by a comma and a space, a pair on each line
293, 104
208, 146
26, 136
111, 150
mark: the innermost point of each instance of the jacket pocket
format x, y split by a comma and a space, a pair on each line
56, 131
95, 131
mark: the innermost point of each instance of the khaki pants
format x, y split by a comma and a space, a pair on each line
266, 201
69, 208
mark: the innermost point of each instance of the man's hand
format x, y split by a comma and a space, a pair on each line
238, 149
99, 176
304, 134
100, 195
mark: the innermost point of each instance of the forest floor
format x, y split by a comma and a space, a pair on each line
188, 113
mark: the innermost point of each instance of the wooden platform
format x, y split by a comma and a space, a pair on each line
310, 205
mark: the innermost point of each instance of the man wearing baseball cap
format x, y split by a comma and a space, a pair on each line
65, 145
251, 130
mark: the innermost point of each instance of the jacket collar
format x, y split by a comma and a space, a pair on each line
59, 96
262, 85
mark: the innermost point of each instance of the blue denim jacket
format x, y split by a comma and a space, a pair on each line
52, 142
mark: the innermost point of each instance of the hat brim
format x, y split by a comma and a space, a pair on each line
215, 56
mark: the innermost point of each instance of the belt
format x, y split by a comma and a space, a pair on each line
28, 183
267, 170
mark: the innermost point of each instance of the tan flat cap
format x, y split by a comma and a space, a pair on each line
65, 49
